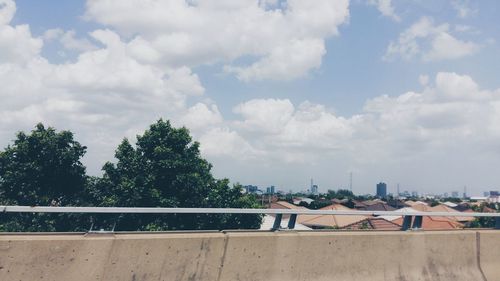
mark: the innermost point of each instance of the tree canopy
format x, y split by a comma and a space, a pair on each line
163, 169
41, 168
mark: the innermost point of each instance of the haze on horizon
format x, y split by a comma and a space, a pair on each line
277, 92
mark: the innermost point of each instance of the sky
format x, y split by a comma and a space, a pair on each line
277, 92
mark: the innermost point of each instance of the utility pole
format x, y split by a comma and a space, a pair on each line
350, 181
397, 198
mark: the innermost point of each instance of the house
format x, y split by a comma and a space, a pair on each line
415, 203
377, 223
450, 204
285, 205
299, 200
268, 223
330, 221
445, 208
421, 207
428, 223
402, 210
435, 223
374, 205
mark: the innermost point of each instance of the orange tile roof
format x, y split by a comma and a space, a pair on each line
285, 205
323, 221
435, 223
374, 223
421, 207
444, 208
415, 203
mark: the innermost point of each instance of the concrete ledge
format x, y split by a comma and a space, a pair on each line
317, 256
489, 253
110, 257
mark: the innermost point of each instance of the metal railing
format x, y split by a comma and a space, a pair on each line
411, 220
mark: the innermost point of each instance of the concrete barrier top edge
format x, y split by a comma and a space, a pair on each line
187, 235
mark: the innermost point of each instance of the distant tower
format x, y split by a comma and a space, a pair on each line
465, 191
381, 190
350, 181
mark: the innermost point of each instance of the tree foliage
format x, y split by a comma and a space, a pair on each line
163, 169
41, 168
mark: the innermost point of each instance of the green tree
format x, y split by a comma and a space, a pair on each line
165, 169
41, 168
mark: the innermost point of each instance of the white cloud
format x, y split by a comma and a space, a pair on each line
223, 142
278, 124
429, 42
386, 8
200, 116
7, 11
455, 108
452, 112
285, 42
68, 40
284, 62
463, 9
445, 46
102, 96
265, 115
16, 43
423, 79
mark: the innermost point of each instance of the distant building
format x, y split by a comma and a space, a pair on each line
454, 194
270, 190
251, 188
405, 194
494, 197
486, 193
314, 189
414, 194
381, 190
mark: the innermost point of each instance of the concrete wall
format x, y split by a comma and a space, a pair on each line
451, 255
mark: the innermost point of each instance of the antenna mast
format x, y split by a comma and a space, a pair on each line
350, 181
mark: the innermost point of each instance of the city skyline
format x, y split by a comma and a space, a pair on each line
395, 191
276, 92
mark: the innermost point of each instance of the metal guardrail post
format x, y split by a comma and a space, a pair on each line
406, 222
277, 222
291, 221
417, 222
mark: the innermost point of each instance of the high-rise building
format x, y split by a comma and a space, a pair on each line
251, 188
381, 190
270, 190
314, 189
454, 194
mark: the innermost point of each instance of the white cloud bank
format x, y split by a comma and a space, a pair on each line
284, 41
429, 42
448, 126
